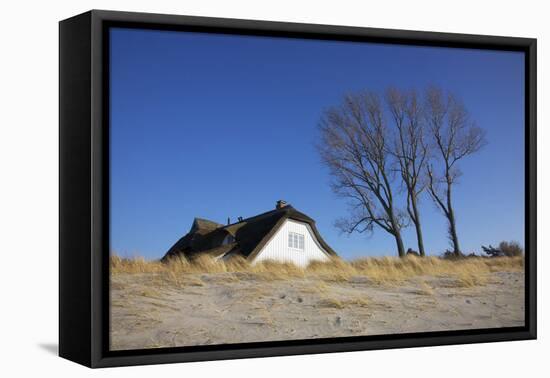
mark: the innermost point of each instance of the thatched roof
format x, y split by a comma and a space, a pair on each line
250, 235
200, 224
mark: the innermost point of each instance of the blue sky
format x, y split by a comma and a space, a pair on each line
219, 126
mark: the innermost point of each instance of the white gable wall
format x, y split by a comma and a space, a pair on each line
277, 248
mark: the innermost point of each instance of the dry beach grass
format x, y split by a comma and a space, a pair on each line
466, 272
208, 302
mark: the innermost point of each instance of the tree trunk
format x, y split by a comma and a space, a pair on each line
418, 227
452, 223
453, 233
399, 242
396, 230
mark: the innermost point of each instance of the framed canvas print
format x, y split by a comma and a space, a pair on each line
234, 188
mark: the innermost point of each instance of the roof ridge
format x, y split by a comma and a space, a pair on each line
284, 209
204, 219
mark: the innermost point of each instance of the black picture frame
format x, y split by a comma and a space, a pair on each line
84, 188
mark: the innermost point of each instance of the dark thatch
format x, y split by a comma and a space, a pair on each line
247, 236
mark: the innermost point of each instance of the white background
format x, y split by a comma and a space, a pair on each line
29, 186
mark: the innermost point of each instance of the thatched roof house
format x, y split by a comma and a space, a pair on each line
282, 234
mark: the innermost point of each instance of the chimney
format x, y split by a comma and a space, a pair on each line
280, 204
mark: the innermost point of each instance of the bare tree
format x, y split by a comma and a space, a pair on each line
354, 146
454, 137
411, 151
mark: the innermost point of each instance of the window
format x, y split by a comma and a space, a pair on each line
296, 240
228, 240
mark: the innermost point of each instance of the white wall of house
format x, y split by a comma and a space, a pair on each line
278, 248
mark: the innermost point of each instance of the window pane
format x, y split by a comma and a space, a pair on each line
295, 240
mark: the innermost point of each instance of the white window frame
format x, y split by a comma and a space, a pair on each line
296, 241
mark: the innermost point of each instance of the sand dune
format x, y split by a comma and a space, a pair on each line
148, 311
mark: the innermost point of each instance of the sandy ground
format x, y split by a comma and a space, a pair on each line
148, 311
